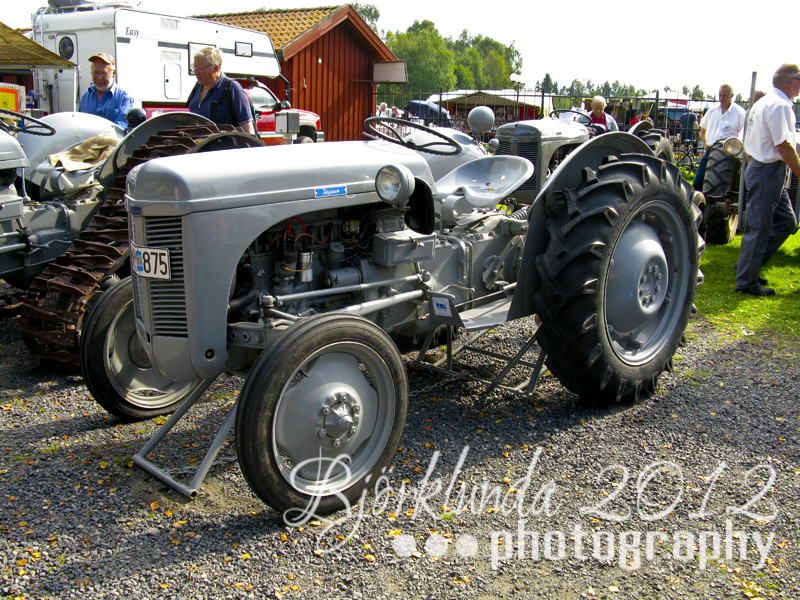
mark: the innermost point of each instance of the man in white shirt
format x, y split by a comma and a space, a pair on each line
770, 142
718, 124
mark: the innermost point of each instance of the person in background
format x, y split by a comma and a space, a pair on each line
719, 123
600, 117
636, 118
104, 97
688, 125
217, 96
770, 142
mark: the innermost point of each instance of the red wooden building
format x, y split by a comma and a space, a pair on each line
327, 54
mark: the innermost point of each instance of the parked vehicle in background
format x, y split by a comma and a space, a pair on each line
153, 54
721, 191
548, 142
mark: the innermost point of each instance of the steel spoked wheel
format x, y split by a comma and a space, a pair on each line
321, 414
618, 278
116, 368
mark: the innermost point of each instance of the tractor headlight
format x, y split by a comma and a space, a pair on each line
394, 183
732, 146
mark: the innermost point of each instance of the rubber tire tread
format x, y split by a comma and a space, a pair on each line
572, 310
719, 228
258, 401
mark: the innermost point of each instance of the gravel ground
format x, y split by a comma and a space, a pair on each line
690, 493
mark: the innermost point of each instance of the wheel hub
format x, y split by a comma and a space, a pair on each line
638, 279
341, 415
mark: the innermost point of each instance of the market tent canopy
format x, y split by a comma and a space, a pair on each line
18, 52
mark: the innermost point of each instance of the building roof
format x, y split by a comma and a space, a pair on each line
18, 52
283, 26
294, 28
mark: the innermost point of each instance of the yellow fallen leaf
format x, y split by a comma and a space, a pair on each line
153, 505
369, 558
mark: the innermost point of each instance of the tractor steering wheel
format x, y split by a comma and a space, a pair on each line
390, 134
559, 111
32, 126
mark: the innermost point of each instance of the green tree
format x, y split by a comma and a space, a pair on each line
697, 93
429, 61
495, 72
368, 12
464, 78
490, 61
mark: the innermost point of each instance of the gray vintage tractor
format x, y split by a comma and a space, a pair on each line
300, 267
547, 143
723, 187
63, 227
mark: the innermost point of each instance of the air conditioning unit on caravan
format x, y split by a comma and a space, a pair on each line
153, 52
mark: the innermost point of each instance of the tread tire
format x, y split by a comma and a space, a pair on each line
576, 269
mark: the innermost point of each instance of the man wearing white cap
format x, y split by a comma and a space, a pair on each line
104, 97
770, 143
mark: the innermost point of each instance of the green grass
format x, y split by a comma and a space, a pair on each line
737, 314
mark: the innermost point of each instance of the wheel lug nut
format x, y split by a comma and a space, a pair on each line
650, 269
658, 289
322, 433
326, 410
353, 431
356, 409
337, 443
659, 276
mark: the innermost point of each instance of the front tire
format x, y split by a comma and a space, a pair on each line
618, 278
337, 374
116, 368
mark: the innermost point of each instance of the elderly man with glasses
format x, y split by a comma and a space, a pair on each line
770, 143
104, 97
217, 96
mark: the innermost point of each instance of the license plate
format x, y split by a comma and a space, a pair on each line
151, 262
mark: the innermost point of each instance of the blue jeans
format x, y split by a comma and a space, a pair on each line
700, 176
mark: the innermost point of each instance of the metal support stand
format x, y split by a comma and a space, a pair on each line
190, 491
526, 387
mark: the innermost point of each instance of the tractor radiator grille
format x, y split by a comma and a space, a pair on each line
167, 298
529, 150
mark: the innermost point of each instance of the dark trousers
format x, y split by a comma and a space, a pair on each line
697, 184
770, 219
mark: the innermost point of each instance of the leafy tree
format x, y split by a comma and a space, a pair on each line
470, 59
495, 72
429, 61
368, 12
464, 78
697, 93
685, 90
490, 61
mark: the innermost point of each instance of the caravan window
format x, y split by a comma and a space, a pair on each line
244, 49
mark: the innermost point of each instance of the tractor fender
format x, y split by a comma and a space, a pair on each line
567, 175
136, 139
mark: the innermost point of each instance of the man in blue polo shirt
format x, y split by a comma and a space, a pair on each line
104, 97
217, 96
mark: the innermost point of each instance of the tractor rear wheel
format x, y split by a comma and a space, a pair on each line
618, 278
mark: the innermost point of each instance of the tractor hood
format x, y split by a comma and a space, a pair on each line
11, 154
255, 176
549, 129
